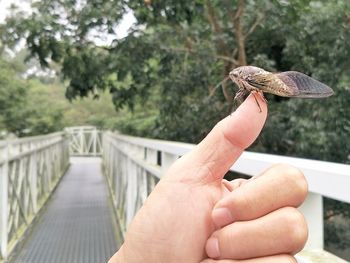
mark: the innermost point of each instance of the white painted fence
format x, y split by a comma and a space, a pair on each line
84, 141
31, 167
29, 170
134, 165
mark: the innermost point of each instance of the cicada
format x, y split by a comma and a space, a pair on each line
294, 84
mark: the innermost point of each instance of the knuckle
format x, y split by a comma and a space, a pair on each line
296, 228
237, 203
241, 205
289, 170
294, 178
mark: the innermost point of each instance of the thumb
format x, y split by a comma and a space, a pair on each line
228, 139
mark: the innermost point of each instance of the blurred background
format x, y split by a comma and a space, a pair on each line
149, 68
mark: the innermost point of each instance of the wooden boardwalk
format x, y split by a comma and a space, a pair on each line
77, 223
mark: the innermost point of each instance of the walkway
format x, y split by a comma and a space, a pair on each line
77, 224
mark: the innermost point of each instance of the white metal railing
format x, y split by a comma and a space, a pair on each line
134, 165
29, 170
31, 167
84, 141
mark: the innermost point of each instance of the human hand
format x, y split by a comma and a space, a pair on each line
186, 207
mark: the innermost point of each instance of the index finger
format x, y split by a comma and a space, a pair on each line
279, 186
229, 138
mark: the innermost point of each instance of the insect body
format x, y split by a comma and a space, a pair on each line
285, 84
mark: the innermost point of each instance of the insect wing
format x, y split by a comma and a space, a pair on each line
268, 82
303, 86
261, 81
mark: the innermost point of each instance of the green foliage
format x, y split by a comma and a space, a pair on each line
24, 107
336, 231
94, 111
85, 70
200, 43
12, 99
52, 112
44, 114
38, 105
317, 43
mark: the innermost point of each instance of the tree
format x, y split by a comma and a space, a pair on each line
24, 109
61, 31
12, 99
200, 43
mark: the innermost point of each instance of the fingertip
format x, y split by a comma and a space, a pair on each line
251, 116
212, 248
254, 103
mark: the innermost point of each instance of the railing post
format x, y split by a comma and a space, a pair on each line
81, 138
4, 203
33, 181
131, 191
312, 209
94, 134
151, 156
167, 160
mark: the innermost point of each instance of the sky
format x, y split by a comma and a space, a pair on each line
106, 39
5, 4
122, 30
24, 5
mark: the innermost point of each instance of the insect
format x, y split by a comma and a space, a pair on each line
252, 79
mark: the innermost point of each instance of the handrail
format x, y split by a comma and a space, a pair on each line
318, 173
133, 166
24, 153
171, 147
31, 139
30, 168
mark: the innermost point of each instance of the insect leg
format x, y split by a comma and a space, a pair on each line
262, 95
240, 97
254, 94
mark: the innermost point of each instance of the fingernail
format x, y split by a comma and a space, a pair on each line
212, 247
222, 217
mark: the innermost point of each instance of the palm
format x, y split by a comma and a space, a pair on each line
181, 238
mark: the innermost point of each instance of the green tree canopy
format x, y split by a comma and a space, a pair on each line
178, 51
12, 99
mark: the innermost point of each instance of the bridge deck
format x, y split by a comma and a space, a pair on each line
77, 224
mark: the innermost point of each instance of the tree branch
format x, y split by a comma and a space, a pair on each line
239, 11
227, 94
229, 59
186, 50
222, 49
236, 20
258, 19
212, 91
234, 53
212, 17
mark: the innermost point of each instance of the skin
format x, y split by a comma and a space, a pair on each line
193, 215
